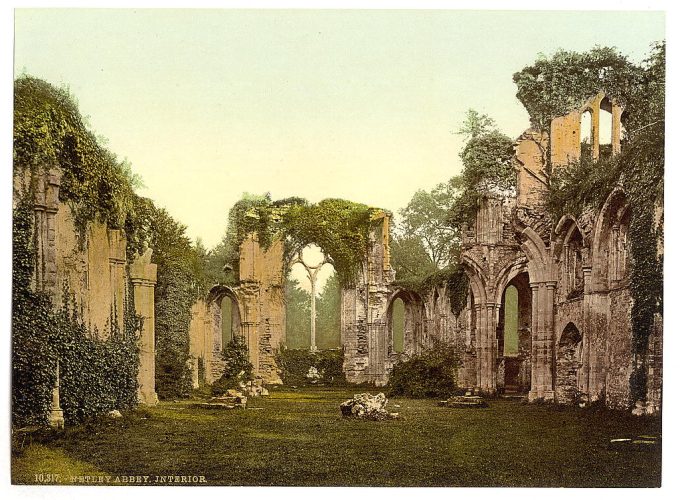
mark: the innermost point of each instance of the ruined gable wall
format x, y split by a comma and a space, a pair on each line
261, 297
364, 313
90, 265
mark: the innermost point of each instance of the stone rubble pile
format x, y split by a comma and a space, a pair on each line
228, 401
254, 388
464, 402
367, 407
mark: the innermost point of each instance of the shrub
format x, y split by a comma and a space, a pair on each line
295, 365
429, 374
237, 368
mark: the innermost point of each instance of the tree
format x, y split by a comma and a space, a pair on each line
328, 314
410, 259
425, 220
487, 167
298, 314
180, 282
476, 124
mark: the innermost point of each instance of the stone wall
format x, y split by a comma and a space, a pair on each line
91, 266
580, 326
260, 317
363, 315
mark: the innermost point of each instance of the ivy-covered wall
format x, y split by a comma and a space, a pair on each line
98, 370
80, 246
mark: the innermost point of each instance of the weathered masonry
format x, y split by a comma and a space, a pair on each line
548, 310
573, 279
255, 310
95, 271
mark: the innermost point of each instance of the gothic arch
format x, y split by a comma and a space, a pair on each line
413, 327
571, 254
609, 251
476, 275
568, 364
509, 272
540, 265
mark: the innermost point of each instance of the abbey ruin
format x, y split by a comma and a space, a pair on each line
570, 284
571, 280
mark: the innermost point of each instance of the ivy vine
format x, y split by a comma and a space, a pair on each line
96, 375
340, 228
554, 86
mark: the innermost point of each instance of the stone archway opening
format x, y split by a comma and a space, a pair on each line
313, 297
230, 319
513, 337
405, 325
568, 364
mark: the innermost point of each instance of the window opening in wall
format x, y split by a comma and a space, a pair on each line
398, 319
510, 335
586, 134
312, 291
227, 323
605, 128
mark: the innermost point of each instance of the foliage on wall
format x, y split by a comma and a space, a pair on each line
49, 131
487, 167
96, 375
554, 86
180, 282
339, 227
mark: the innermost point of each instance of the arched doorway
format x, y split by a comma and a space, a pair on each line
405, 317
513, 335
226, 325
568, 364
230, 319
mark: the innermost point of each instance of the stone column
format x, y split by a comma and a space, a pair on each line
479, 340
617, 111
542, 342
55, 417
45, 207
117, 259
534, 336
487, 382
143, 277
584, 384
51, 208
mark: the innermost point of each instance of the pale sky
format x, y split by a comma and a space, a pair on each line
208, 104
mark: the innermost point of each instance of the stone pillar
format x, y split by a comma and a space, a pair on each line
117, 259
143, 277
617, 111
193, 366
488, 349
479, 329
46, 206
542, 342
595, 129
55, 417
584, 379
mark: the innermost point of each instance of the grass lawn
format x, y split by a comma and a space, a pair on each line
298, 438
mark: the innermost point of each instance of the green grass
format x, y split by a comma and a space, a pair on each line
299, 438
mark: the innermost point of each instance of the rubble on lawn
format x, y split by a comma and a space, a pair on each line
367, 407
464, 402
